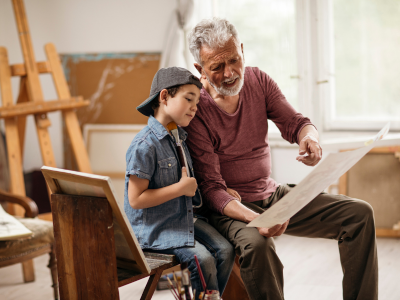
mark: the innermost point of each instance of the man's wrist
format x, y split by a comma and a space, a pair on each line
236, 210
250, 216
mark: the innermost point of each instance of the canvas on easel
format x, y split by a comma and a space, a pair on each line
127, 248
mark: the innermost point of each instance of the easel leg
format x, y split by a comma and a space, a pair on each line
151, 285
71, 121
22, 97
17, 185
29, 272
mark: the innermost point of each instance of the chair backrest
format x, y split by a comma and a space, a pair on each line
68, 182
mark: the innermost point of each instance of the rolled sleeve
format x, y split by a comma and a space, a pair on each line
221, 199
141, 160
293, 126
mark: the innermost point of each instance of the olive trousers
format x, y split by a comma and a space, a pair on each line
349, 221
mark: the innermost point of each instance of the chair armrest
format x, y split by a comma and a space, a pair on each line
31, 209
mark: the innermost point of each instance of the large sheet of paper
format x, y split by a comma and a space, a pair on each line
325, 173
11, 228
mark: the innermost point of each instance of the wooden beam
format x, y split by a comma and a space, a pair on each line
387, 232
343, 184
17, 184
43, 67
70, 118
34, 108
21, 120
34, 87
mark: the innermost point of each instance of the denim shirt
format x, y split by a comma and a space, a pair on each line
152, 155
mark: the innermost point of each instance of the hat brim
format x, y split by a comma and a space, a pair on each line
145, 107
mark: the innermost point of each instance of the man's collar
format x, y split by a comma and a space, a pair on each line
160, 131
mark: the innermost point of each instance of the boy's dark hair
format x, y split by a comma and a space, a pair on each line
171, 91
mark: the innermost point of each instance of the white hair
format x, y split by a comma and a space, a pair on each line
213, 33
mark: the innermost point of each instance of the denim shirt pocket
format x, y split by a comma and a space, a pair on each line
168, 171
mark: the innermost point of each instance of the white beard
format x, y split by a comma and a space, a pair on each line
228, 91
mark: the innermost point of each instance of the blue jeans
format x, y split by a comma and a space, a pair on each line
215, 254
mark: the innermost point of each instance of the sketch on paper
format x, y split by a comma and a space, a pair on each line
11, 228
325, 173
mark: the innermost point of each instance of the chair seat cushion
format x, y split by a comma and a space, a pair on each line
42, 235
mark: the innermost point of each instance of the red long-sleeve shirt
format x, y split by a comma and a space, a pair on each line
232, 150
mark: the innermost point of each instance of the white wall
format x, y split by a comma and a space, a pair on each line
81, 26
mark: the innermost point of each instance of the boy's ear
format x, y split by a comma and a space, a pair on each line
163, 96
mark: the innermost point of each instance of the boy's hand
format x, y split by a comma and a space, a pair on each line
188, 184
235, 194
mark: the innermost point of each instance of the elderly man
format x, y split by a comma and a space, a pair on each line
228, 140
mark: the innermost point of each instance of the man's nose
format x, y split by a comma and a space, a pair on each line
228, 72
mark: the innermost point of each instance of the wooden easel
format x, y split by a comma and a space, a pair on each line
31, 102
85, 270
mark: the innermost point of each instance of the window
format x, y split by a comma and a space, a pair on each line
367, 64
336, 61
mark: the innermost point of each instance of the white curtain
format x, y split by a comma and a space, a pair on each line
175, 50
186, 16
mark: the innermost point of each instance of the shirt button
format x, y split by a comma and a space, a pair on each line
191, 231
190, 210
169, 165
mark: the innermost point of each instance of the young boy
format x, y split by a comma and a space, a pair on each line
160, 197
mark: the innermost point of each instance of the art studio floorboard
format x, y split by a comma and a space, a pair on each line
312, 272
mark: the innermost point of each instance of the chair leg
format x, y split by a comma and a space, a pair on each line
54, 276
28, 270
151, 285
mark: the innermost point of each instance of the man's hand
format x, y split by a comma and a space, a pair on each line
235, 194
277, 230
188, 184
238, 211
309, 145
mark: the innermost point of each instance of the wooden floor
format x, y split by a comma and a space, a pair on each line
312, 272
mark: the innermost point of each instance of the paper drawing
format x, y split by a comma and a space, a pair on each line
325, 173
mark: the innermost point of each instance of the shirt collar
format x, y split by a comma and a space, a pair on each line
160, 131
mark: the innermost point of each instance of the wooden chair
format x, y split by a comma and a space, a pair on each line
24, 250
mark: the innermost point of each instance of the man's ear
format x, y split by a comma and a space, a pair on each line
163, 96
199, 68
241, 46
